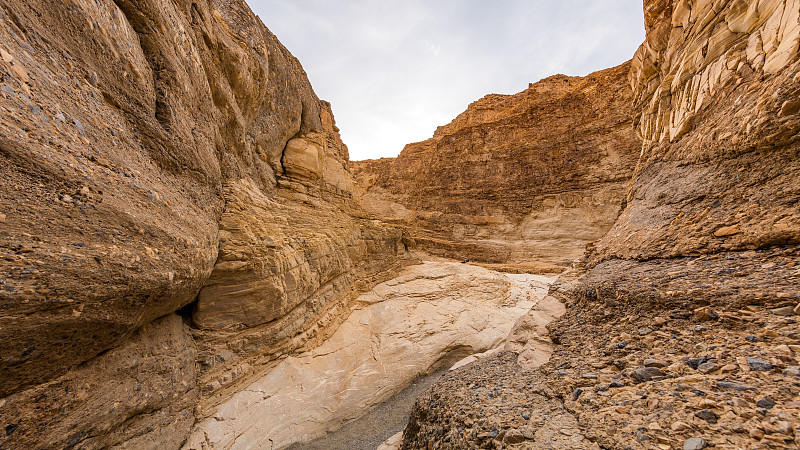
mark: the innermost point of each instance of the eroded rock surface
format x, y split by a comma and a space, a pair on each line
162, 156
680, 329
716, 104
524, 180
429, 315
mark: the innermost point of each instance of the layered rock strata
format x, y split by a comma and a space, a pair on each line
430, 314
161, 157
525, 179
681, 330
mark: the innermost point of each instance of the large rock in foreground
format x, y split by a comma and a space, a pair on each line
160, 157
524, 178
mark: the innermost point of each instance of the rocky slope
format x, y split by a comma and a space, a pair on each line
162, 160
525, 179
681, 330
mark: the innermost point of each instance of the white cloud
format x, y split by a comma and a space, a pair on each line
394, 70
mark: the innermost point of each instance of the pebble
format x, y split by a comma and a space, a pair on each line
707, 367
694, 443
646, 374
651, 362
576, 393
785, 311
765, 403
679, 426
756, 363
707, 415
793, 371
514, 437
694, 363
733, 385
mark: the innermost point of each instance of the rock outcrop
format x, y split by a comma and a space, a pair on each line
429, 315
524, 180
680, 324
162, 157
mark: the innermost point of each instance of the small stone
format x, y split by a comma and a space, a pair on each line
526, 416
616, 384
694, 363
699, 328
645, 331
786, 311
789, 108
621, 345
728, 231
79, 126
756, 363
93, 79
562, 372
589, 375
707, 367
60, 116
6, 56
793, 371
646, 374
514, 437
751, 338
707, 415
735, 386
679, 426
694, 443
576, 393
766, 403
2, 217
652, 362
493, 434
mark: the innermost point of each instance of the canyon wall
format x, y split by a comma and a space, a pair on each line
524, 180
680, 329
176, 212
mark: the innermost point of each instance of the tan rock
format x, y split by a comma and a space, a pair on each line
404, 327
728, 231
505, 182
163, 156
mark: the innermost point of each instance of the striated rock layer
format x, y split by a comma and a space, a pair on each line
429, 315
681, 331
515, 179
161, 157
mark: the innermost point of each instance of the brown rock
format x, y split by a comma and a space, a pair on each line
197, 172
524, 180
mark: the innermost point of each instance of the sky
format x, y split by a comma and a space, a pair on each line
394, 70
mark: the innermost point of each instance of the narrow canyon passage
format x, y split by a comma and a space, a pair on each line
430, 315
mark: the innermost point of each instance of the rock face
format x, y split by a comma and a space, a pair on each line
716, 105
673, 332
523, 178
427, 316
161, 156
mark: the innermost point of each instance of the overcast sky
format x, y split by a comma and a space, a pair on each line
394, 70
